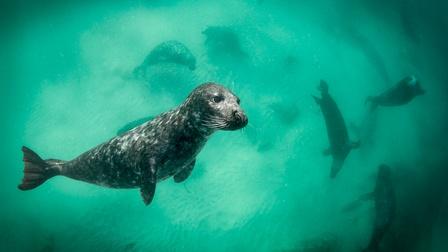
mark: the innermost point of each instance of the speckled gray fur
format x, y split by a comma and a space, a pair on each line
158, 149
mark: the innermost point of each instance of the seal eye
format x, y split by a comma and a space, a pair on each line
238, 101
217, 99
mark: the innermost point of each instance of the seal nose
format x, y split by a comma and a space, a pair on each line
240, 117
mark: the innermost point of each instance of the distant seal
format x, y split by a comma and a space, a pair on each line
171, 51
223, 41
385, 206
401, 93
340, 144
384, 199
163, 147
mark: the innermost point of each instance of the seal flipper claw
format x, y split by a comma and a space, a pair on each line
185, 173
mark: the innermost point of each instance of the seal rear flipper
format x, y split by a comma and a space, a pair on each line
147, 191
36, 170
185, 173
336, 166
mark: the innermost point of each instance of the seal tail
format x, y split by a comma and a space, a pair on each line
36, 170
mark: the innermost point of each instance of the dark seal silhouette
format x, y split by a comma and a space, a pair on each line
385, 206
156, 150
400, 94
340, 144
223, 41
170, 51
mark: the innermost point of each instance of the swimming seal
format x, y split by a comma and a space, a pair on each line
340, 144
163, 147
384, 199
385, 206
401, 93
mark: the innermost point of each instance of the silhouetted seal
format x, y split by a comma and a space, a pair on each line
171, 51
163, 147
385, 206
340, 144
401, 93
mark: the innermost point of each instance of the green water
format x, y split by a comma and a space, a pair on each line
67, 85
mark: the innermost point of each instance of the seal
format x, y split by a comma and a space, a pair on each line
400, 94
340, 144
154, 151
223, 41
171, 51
384, 199
385, 206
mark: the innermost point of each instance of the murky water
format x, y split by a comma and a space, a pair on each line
75, 73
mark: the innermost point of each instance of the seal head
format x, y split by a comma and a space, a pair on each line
216, 108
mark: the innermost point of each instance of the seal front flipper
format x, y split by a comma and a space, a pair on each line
148, 185
185, 173
357, 203
147, 191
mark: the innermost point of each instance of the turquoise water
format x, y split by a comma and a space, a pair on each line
68, 85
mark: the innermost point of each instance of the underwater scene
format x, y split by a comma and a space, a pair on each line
195, 125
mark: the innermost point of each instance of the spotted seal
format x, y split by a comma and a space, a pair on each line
340, 144
156, 150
